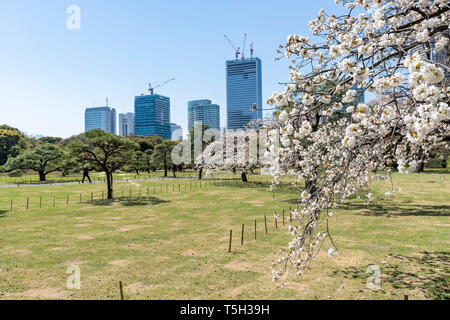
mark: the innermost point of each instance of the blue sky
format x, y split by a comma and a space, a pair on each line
50, 74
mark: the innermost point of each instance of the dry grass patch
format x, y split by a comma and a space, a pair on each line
86, 237
120, 263
21, 252
239, 266
76, 262
46, 293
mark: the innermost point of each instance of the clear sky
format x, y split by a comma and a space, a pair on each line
50, 74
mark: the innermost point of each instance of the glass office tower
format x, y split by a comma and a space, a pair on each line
100, 118
244, 89
152, 116
204, 111
176, 132
126, 124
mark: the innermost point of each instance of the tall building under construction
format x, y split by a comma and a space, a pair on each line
244, 90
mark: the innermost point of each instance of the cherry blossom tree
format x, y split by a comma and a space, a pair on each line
234, 152
389, 48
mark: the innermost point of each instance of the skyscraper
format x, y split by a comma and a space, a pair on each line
126, 124
100, 118
204, 111
176, 132
244, 89
152, 116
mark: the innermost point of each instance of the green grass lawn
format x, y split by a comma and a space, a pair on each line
172, 243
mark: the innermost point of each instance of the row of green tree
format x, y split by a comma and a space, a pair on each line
100, 150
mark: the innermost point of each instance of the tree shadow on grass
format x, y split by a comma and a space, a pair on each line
261, 185
294, 201
384, 209
130, 202
3, 213
429, 272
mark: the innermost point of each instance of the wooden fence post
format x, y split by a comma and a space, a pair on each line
28, 202
242, 235
283, 217
265, 223
255, 229
276, 221
229, 245
121, 290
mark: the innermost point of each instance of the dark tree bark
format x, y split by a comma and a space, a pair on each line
174, 169
244, 177
165, 166
42, 176
200, 173
109, 184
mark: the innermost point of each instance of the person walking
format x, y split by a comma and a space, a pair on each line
86, 173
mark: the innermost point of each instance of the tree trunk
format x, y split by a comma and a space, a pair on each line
200, 173
310, 186
174, 169
420, 167
42, 176
109, 184
244, 177
165, 168
137, 171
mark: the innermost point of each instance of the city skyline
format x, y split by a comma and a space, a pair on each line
53, 71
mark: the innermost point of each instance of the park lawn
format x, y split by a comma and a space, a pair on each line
173, 242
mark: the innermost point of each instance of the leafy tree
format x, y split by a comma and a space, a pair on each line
147, 146
104, 150
44, 159
162, 155
138, 162
52, 140
11, 142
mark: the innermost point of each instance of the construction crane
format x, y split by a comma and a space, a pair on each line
151, 89
251, 49
243, 46
236, 50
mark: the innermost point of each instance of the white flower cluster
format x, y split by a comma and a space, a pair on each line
332, 153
